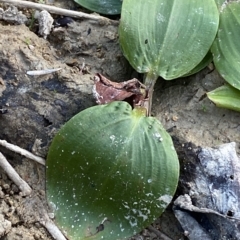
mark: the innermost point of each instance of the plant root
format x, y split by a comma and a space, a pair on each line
22, 151
59, 11
13, 175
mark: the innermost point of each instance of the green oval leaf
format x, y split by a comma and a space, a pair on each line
226, 47
220, 3
109, 7
204, 63
167, 37
110, 165
226, 97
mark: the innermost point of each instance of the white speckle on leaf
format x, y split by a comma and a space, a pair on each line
199, 11
134, 210
160, 18
126, 205
149, 180
122, 229
157, 135
149, 194
145, 217
133, 222
52, 206
112, 137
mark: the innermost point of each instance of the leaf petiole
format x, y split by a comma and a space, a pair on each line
149, 81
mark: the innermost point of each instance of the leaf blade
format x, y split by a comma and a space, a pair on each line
226, 96
109, 7
226, 47
204, 63
152, 40
130, 182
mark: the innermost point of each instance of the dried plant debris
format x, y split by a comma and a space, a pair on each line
106, 91
42, 72
211, 210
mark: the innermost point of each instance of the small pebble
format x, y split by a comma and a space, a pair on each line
174, 118
6, 186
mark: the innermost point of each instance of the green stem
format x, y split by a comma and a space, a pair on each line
149, 82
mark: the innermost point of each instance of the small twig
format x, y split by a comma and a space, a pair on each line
53, 229
158, 233
13, 175
22, 151
42, 72
57, 10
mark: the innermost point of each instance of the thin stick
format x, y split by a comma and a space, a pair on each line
158, 233
22, 151
57, 10
13, 175
53, 229
45, 220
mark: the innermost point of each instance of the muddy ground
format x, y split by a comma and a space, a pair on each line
36, 107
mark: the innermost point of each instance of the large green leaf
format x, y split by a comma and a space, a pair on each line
226, 47
226, 97
204, 63
167, 37
111, 7
110, 164
220, 3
